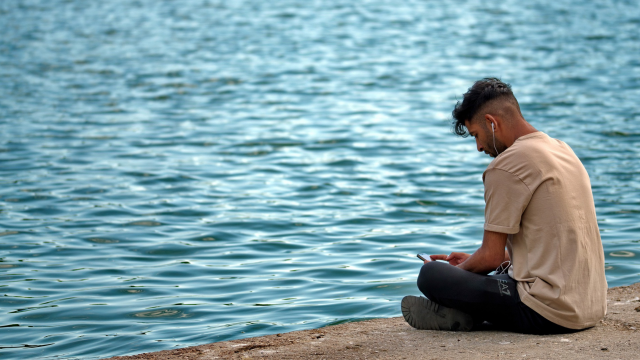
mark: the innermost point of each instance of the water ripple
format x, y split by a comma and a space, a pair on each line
177, 175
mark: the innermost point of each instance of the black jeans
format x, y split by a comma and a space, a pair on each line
492, 298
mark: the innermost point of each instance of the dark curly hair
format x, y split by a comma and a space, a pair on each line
482, 92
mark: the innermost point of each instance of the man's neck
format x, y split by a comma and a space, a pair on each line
520, 128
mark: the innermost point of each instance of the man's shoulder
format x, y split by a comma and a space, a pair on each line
530, 149
531, 156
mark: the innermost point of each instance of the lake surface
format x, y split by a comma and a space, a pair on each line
176, 173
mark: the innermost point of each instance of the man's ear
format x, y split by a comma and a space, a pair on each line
491, 120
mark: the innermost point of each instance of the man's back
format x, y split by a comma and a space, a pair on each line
538, 191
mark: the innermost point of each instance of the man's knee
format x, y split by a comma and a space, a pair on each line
431, 277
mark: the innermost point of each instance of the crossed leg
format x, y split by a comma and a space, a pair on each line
492, 298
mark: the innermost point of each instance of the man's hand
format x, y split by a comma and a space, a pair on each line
455, 258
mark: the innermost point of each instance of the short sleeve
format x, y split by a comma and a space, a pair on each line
506, 198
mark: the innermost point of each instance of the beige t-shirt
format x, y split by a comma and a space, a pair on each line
539, 192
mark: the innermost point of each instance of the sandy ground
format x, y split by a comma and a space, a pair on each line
616, 337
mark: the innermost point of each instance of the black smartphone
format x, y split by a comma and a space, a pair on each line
424, 257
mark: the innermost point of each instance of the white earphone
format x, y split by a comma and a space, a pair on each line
494, 139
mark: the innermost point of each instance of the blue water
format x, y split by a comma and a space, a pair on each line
183, 172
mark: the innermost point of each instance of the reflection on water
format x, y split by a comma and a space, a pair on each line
274, 166
161, 313
623, 253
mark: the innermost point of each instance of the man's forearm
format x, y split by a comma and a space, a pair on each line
479, 263
489, 256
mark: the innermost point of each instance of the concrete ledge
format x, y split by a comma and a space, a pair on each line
616, 337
